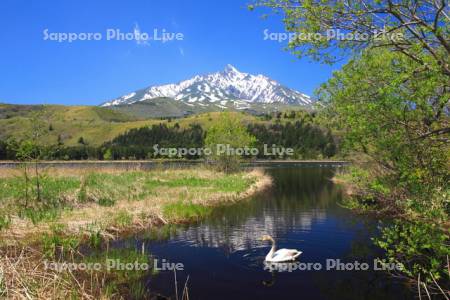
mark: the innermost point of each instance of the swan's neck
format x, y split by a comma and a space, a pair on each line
273, 249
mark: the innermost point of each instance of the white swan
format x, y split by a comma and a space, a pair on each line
280, 255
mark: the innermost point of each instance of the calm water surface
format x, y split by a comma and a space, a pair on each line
224, 257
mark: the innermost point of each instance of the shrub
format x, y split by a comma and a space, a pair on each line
421, 248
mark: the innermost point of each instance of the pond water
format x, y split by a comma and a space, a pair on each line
223, 255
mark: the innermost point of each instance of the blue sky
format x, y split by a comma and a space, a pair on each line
215, 33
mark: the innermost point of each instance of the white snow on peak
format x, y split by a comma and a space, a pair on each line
229, 84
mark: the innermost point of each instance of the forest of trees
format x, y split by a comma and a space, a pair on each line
138, 143
309, 141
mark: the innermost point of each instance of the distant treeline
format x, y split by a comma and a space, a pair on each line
308, 141
138, 143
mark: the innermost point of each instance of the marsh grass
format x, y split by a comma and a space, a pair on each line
229, 183
123, 218
121, 281
57, 244
185, 211
120, 256
54, 196
5, 221
24, 275
113, 197
92, 207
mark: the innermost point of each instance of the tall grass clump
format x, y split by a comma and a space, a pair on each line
58, 244
185, 211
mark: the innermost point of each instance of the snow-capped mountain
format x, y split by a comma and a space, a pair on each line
229, 88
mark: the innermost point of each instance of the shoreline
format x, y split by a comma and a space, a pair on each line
350, 201
4, 163
24, 263
144, 215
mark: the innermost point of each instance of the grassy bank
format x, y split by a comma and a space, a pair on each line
110, 198
89, 207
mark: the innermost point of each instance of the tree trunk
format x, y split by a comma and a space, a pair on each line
38, 187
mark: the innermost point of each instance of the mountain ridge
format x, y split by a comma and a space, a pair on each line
226, 89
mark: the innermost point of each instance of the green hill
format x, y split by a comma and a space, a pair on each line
95, 125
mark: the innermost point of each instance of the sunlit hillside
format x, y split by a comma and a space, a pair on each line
95, 125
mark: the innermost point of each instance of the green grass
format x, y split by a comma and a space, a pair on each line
229, 183
40, 214
117, 280
51, 186
122, 256
106, 202
95, 238
5, 221
185, 211
18, 198
232, 183
123, 218
57, 243
62, 193
95, 124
